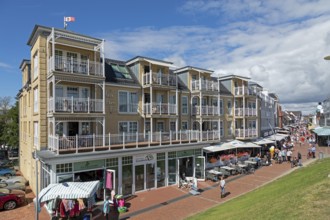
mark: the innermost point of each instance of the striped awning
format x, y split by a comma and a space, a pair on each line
68, 190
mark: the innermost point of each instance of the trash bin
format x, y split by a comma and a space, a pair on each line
321, 155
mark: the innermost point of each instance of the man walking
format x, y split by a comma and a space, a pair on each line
222, 187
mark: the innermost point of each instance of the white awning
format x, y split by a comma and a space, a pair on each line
263, 141
229, 146
68, 190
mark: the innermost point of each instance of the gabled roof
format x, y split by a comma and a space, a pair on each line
150, 60
224, 90
226, 77
187, 68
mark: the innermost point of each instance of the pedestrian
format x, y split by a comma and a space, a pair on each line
288, 155
222, 187
313, 150
106, 208
299, 159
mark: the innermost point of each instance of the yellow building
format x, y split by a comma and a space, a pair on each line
144, 119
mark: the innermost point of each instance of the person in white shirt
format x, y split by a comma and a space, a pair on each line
222, 187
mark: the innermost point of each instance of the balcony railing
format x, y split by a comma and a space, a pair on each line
246, 91
81, 143
70, 104
247, 112
73, 65
159, 79
204, 85
246, 133
206, 110
159, 108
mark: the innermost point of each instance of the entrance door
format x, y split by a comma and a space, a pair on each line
150, 176
200, 168
139, 177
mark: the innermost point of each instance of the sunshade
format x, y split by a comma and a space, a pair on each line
68, 190
263, 141
230, 145
323, 131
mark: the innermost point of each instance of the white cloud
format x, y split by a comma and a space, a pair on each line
281, 46
4, 65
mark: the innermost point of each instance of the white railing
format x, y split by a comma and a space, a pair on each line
204, 85
73, 65
247, 112
246, 90
159, 108
206, 110
94, 142
159, 79
70, 104
246, 133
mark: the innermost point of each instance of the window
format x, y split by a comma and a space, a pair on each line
221, 107
35, 100
184, 125
35, 134
121, 71
85, 128
160, 126
252, 124
184, 105
128, 127
221, 129
172, 126
72, 92
35, 65
230, 132
229, 106
214, 125
59, 129
128, 102
64, 168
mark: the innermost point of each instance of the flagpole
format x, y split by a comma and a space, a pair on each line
64, 23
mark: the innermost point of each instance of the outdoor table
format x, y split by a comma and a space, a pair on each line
250, 162
242, 165
231, 170
213, 175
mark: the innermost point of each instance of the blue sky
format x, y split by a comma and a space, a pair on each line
279, 44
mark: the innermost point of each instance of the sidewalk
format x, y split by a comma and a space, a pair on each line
174, 203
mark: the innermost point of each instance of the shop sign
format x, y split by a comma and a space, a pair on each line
88, 165
184, 153
145, 158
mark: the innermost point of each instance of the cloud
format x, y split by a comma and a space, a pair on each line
280, 46
5, 66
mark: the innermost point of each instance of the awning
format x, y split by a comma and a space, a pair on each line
263, 141
322, 131
277, 137
68, 190
230, 146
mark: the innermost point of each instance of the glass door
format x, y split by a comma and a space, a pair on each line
150, 176
139, 178
200, 168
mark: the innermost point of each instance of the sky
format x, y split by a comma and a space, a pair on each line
279, 44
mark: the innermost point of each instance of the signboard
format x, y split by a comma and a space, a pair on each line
185, 153
88, 165
145, 158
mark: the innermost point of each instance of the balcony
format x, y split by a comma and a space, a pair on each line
204, 85
206, 110
87, 143
75, 105
246, 91
246, 133
72, 65
159, 108
245, 112
159, 79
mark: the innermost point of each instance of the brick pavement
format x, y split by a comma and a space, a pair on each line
174, 203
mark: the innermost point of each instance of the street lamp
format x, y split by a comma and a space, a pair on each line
34, 155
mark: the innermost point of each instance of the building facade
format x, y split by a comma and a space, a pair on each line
143, 120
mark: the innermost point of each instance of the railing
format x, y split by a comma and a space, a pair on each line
70, 104
159, 108
246, 91
94, 142
247, 112
247, 133
73, 65
159, 79
204, 85
206, 110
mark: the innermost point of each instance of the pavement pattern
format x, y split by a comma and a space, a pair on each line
176, 203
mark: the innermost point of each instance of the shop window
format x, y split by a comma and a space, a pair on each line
111, 162
198, 152
161, 156
171, 155
127, 160
64, 168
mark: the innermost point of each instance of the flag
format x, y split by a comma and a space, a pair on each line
69, 19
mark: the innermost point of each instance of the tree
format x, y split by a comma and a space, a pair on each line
5, 104
10, 133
